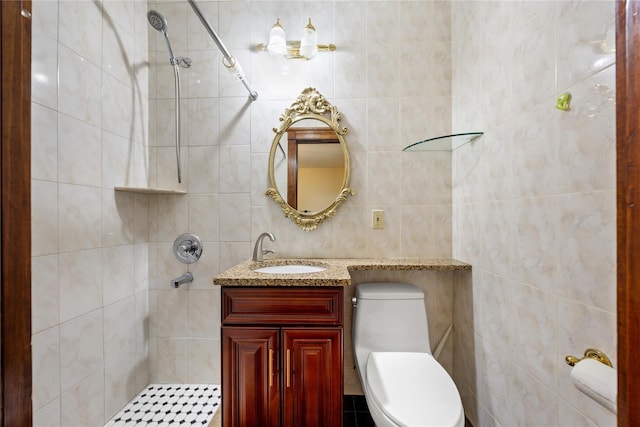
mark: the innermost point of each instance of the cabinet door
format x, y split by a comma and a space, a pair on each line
312, 379
250, 377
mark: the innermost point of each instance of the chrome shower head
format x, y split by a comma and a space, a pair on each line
157, 21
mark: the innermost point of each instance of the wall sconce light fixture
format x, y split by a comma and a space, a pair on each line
305, 48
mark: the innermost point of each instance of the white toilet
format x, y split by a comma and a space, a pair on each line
403, 383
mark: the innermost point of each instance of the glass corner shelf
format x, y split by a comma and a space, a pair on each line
444, 142
150, 191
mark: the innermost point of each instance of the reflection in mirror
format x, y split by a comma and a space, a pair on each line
311, 180
314, 168
319, 178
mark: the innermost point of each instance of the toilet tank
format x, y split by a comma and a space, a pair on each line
389, 316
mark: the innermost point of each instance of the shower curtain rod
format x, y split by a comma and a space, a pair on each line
229, 61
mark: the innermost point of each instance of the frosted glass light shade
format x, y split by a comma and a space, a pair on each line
277, 40
309, 41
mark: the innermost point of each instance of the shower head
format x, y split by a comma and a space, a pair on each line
157, 21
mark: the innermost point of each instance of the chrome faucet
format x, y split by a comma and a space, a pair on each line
258, 252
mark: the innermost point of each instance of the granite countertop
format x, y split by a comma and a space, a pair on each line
336, 273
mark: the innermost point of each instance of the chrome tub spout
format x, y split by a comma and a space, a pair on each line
185, 278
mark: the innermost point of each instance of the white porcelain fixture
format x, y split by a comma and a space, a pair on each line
290, 269
404, 384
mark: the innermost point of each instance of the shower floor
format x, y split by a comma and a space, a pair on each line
170, 405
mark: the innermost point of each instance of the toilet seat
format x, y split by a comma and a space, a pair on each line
412, 390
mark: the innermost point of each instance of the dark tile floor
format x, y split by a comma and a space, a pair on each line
356, 412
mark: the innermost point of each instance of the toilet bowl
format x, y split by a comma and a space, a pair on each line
404, 384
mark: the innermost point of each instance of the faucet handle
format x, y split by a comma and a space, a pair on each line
268, 251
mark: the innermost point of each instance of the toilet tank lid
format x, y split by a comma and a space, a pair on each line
388, 291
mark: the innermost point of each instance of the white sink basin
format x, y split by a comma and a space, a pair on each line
290, 269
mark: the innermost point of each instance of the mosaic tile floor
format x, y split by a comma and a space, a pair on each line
163, 405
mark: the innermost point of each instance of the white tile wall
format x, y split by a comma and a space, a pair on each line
533, 206
89, 280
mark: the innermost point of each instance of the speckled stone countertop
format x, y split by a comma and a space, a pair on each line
336, 273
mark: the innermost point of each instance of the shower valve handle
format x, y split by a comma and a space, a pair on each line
187, 248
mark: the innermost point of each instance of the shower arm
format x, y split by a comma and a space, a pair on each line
230, 61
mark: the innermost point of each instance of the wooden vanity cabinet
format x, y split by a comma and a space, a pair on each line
282, 356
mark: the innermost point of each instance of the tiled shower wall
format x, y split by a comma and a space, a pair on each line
90, 263
389, 97
533, 207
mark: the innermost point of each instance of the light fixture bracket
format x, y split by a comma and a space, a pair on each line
293, 49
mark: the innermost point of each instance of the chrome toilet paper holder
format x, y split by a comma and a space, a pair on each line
590, 353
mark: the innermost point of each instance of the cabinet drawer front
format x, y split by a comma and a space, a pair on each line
282, 306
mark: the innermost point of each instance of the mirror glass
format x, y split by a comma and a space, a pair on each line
309, 161
311, 175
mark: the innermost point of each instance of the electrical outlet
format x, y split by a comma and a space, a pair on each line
377, 219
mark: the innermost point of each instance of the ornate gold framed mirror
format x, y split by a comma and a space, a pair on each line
309, 161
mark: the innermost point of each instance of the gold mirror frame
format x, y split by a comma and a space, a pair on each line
310, 105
